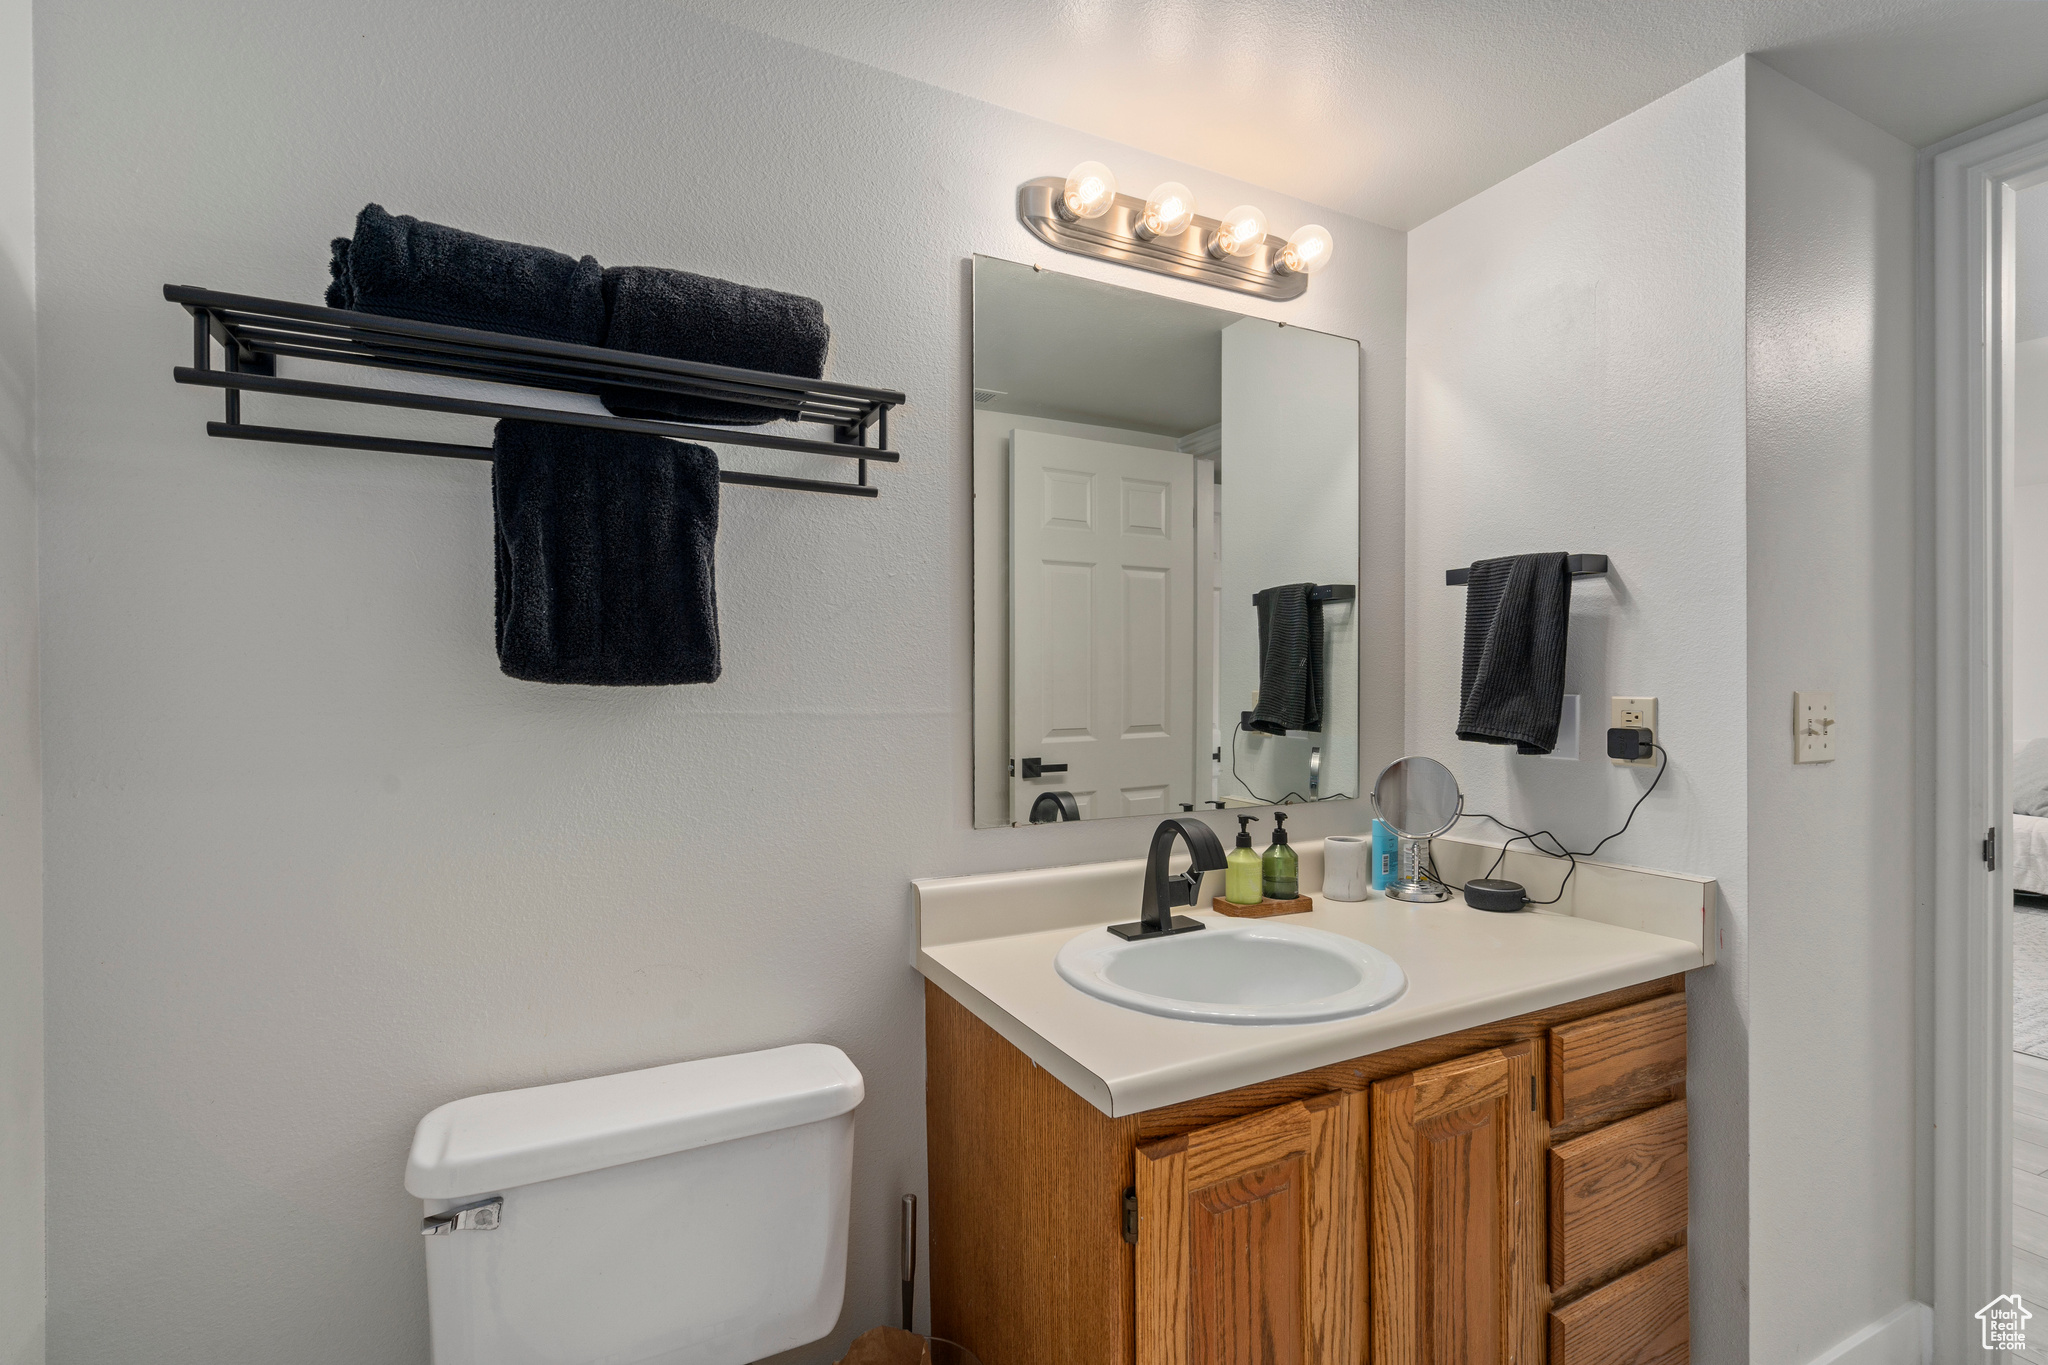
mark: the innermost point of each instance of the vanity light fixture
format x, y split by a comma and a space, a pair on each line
1082, 212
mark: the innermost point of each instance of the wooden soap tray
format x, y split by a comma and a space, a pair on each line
1264, 909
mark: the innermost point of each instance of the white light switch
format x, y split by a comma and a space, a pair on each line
1813, 727
1567, 730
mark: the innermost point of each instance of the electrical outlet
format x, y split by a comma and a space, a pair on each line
1813, 727
1639, 713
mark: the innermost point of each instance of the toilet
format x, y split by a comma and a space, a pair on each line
688, 1213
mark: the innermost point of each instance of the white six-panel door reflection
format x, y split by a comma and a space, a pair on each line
1102, 624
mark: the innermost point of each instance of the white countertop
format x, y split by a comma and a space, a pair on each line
1465, 968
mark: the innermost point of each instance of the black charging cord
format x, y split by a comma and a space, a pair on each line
1568, 855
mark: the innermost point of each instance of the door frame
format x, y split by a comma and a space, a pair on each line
1967, 216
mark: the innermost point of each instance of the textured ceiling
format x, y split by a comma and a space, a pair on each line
1394, 111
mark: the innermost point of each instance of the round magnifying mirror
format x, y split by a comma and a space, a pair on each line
1419, 799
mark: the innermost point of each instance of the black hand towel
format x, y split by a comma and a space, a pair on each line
403, 268
1290, 660
1517, 613
605, 544
715, 322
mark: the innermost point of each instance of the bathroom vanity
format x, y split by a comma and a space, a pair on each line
1490, 1168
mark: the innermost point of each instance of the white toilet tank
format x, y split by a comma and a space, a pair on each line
689, 1213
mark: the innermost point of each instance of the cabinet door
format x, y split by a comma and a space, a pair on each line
1457, 1213
1251, 1240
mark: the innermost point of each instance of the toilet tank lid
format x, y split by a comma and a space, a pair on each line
490, 1143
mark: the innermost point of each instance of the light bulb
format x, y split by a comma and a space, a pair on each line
1240, 233
1306, 252
1168, 211
1091, 189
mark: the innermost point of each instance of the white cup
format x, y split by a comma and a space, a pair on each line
1347, 867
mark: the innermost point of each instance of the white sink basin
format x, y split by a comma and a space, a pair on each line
1235, 972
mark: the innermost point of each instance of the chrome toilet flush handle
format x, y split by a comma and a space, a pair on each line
483, 1217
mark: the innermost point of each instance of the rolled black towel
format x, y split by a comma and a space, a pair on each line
1517, 615
715, 322
403, 268
605, 547
1290, 660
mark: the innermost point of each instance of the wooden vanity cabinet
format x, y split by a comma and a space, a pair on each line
1499, 1196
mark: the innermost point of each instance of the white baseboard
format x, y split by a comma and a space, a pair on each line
1904, 1336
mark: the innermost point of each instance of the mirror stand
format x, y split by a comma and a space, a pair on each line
1414, 882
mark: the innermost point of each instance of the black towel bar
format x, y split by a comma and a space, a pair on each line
253, 332
1332, 592
1581, 566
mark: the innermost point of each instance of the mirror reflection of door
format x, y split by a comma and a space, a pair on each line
1102, 619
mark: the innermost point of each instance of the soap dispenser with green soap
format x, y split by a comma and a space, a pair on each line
1280, 869
1243, 868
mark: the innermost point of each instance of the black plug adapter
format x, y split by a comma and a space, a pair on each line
1631, 743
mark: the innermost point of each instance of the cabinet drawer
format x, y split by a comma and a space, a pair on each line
1643, 1318
1616, 1060
1616, 1195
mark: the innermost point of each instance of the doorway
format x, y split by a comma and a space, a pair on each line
1989, 1098
2027, 576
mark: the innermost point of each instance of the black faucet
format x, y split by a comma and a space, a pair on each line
1053, 807
1163, 892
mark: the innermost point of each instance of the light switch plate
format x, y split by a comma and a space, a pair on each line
1567, 731
1634, 712
1813, 727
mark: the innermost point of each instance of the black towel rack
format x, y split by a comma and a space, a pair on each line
253, 332
1581, 566
1329, 592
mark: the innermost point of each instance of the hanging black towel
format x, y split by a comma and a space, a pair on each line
400, 267
715, 322
605, 544
1290, 660
1517, 614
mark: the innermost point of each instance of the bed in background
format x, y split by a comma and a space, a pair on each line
2030, 818
2030, 854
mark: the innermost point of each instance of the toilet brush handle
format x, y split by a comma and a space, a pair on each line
909, 1260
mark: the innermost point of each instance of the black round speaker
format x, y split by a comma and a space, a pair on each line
1488, 893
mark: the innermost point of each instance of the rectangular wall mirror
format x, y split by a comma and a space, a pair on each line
1166, 564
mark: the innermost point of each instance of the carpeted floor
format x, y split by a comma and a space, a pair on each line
2030, 978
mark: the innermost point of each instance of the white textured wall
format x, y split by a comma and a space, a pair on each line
2028, 527
2029, 540
2032, 322
314, 865
21, 787
1575, 382
1831, 1028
